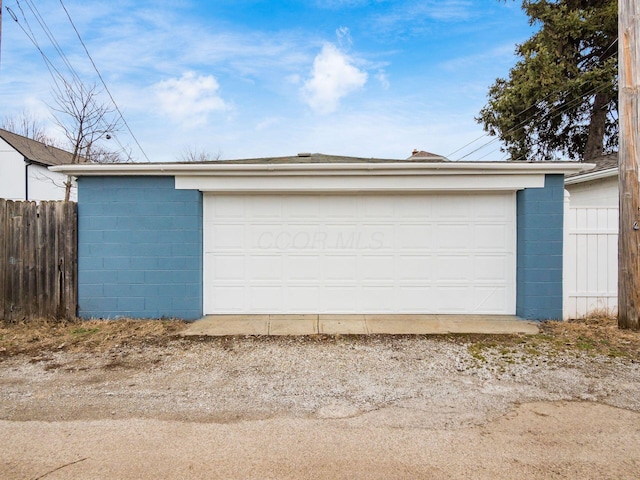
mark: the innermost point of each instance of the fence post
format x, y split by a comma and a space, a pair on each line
3, 257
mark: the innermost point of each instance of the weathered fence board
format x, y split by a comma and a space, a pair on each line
38, 259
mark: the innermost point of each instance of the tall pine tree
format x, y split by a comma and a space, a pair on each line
561, 97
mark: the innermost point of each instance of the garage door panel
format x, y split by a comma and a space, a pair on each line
339, 298
360, 253
264, 268
416, 299
304, 208
376, 208
411, 236
377, 237
454, 268
494, 237
454, 237
416, 267
488, 299
491, 207
265, 298
453, 207
302, 268
491, 268
228, 299
227, 237
340, 267
227, 207
264, 207
340, 206
376, 298
342, 236
263, 236
375, 267
302, 298
226, 268
412, 207
454, 299
299, 237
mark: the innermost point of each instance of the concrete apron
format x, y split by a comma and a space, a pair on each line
312, 324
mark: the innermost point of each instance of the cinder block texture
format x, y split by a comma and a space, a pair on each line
539, 265
139, 248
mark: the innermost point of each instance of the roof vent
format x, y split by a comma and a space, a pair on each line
304, 154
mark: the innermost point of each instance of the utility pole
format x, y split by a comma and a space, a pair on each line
0, 29
628, 157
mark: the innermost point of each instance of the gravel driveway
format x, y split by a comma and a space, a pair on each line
319, 407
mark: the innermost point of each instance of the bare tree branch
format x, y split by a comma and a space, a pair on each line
27, 125
192, 154
85, 122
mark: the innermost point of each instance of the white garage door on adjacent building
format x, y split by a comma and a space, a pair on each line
360, 253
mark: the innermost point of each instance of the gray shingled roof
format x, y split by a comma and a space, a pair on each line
35, 151
605, 162
322, 158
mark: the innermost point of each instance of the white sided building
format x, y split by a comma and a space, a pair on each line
24, 172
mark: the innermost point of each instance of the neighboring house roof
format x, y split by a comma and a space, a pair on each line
427, 156
36, 152
605, 166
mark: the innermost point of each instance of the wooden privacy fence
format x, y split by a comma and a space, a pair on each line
38, 259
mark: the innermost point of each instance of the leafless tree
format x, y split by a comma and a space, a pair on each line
192, 154
27, 125
99, 154
85, 121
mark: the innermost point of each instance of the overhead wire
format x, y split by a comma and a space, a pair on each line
551, 113
102, 80
55, 72
524, 122
45, 28
48, 62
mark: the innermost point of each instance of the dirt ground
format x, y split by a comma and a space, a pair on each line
130, 399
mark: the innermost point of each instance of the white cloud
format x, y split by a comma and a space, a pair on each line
383, 78
333, 77
344, 37
190, 98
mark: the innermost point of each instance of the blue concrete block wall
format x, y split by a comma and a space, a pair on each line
139, 248
540, 216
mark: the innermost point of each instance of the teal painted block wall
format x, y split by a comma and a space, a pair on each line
139, 248
540, 217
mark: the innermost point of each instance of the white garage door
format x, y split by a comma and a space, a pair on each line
365, 253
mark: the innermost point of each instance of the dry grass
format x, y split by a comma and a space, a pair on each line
598, 335
41, 335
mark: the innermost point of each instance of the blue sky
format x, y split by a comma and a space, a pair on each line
245, 78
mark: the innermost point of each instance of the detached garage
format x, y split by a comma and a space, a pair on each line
320, 234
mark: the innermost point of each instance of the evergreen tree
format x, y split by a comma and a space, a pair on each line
561, 97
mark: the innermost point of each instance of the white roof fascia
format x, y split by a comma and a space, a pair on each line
588, 177
358, 183
359, 169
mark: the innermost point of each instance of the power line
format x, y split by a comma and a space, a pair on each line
48, 63
52, 68
550, 114
103, 82
524, 122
